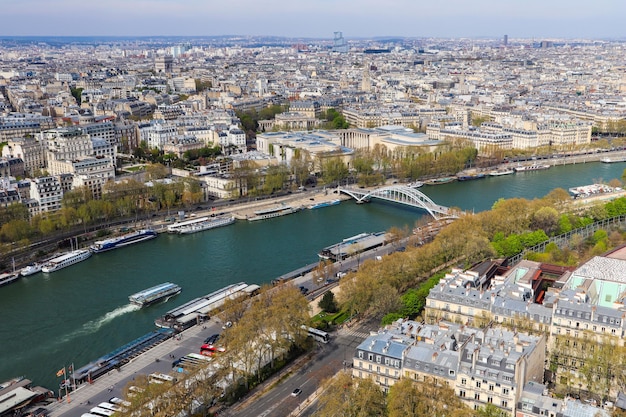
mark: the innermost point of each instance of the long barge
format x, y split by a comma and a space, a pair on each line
206, 224
198, 309
123, 240
121, 356
353, 245
270, 213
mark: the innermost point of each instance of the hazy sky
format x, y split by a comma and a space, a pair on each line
317, 18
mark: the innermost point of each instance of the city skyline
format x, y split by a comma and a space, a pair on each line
362, 18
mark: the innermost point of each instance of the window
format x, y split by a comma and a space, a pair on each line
463, 381
370, 357
505, 391
462, 394
477, 396
490, 387
360, 354
490, 400
377, 358
451, 372
477, 384
505, 404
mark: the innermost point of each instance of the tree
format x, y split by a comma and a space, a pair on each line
491, 410
275, 178
546, 219
348, 397
327, 303
77, 94
156, 171
333, 169
415, 399
301, 166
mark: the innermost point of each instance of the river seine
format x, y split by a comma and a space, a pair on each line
82, 312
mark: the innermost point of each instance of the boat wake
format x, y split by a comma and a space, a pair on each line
94, 325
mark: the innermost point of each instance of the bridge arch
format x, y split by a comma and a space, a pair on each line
400, 194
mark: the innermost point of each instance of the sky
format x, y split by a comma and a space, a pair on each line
590, 19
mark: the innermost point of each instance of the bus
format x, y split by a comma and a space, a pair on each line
99, 411
198, 357
318, 335
110, 406
158, 378
191, 360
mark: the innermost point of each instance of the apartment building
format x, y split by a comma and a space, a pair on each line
88, 171
48, 194
483, 366
64, 144
11, 167
157, 133
29, 150
582, 307
20, 125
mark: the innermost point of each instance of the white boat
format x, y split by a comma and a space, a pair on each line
66, 260
31, 269
416, 184
209, 223
278, 211
585, 191
533, 167
124, 240
154, 294
8, 277
499, 172
324, 204
613, 160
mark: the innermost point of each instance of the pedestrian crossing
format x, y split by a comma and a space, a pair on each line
347, 331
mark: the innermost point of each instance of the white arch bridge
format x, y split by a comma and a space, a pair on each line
403, 195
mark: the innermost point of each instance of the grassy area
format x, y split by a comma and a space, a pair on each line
135, 168
325, 320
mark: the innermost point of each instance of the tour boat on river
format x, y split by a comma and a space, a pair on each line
277, 211
124, 240
7, 278
500, 172
206, 223
613, 160
31, 269
324, 204
65, 260
533, 167
154, 294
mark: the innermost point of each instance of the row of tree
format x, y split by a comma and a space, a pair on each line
78, 207
376, 288
266, 329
